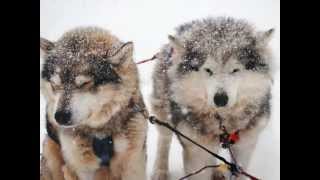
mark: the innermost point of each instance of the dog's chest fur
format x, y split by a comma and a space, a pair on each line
78, 150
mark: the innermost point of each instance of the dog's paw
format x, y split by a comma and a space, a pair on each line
217, 175
160, 175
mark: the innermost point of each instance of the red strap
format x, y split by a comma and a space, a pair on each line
234, 137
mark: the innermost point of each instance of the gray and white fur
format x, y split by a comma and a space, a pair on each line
214, 66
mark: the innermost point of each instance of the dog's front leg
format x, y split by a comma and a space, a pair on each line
160, 171
51, 161
243, 151
246, 146
194, 159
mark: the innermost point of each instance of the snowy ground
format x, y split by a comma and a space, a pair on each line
147, 23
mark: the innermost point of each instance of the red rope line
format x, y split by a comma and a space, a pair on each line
147, 60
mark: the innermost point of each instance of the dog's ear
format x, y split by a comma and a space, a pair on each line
45, 46
124, 53
264, 37
177, 45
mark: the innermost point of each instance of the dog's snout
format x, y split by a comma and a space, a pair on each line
221, 99
63, 117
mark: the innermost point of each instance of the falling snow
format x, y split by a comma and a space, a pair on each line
125, 17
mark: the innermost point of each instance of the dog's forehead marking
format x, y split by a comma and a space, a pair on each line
232, 63
226, 56
211, 63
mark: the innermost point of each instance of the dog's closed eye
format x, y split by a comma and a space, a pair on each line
84, 82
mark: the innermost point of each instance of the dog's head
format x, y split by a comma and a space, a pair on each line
87, 76
219, 63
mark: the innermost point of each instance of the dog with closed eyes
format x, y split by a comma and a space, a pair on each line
95, 115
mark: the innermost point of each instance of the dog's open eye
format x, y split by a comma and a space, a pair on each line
209, 71
235, 71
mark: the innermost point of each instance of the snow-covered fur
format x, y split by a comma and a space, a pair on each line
90, 83
215, 66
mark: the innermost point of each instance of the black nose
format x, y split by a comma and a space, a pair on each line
63, 117
221, 99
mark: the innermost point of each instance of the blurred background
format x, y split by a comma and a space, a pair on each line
147, 23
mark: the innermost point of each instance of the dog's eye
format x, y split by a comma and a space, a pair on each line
235, 71
209, 71
83, 82
85, 85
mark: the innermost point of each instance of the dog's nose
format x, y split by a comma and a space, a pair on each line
63, 117
221, 99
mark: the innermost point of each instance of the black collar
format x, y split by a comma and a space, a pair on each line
103, 148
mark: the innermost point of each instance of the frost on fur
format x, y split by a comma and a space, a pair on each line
212, 66
91, 86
